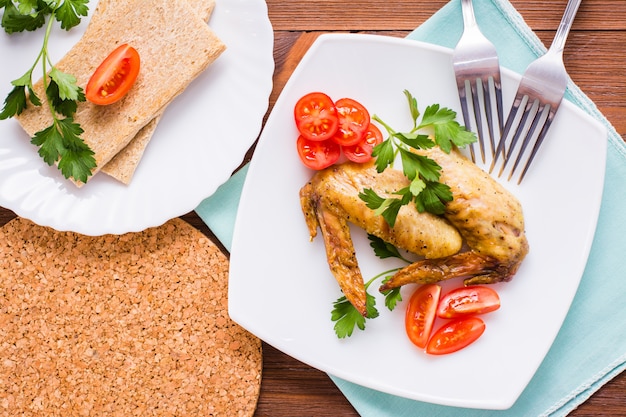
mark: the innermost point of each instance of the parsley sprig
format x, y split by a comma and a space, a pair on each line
60, 142
345, 316
437, 127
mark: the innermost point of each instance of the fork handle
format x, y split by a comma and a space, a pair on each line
558, 44
469, 19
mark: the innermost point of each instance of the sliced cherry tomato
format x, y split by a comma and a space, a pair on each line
362, 151
420, 313
354, 120
468, 300
114, 77
455, 335
317, 154
316, 116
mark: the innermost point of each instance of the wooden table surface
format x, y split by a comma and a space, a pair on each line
595, 57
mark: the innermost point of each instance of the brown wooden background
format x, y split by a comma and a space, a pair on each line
595, 56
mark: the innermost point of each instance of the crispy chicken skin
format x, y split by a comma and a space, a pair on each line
331, 199
490, 220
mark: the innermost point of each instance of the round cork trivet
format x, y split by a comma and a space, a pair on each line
130, 325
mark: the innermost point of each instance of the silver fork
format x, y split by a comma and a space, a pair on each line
477, 72
540, 93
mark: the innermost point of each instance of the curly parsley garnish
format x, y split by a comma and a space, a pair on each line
60, 142
425, 190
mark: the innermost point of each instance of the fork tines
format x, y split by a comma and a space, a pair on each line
536, 114
477, 72
540, 93
477, 98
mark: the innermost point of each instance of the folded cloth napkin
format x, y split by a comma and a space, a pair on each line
590, 348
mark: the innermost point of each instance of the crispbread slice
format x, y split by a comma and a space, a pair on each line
123, 165
126, 325
203, 8
175, 46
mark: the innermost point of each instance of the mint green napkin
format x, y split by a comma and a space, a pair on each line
219, 210
591, 346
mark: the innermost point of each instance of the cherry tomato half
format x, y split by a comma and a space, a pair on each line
455, 335
316, 116
114, 77
468, 300
362, 151
318, 154
354, 120
420, 313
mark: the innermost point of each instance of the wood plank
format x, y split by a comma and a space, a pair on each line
609, 15
408, 14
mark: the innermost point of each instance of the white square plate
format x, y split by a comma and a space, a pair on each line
282, 290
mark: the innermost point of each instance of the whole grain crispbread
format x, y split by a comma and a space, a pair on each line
203, 8
123, 165
174, 45
120, 325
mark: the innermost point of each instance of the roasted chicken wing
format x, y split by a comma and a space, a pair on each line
331, 199
490, 220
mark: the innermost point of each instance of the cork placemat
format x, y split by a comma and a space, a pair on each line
130, 325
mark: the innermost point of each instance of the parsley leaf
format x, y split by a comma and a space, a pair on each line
67, 88
433, 197
384, 249
66, 107
448, 131
347, 317
77, 161
415, 165
386, 207
425, 190
15, 103
415, 140
28, 16
26, 6
392, 296
385, 154
60, 142
413, 107
69, 12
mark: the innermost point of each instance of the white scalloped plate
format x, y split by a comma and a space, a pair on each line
282, 290
202, 138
